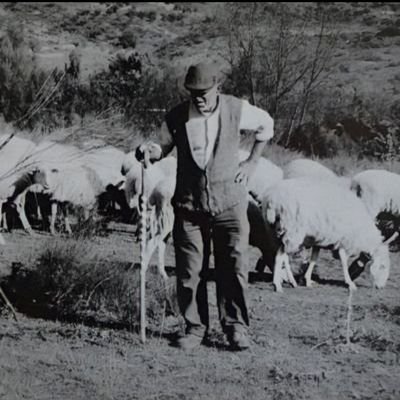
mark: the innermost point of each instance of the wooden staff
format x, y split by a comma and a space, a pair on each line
143, 245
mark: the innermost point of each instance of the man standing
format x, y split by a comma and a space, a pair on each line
210, 200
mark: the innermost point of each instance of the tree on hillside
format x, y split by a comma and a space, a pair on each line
19, 77
279, 58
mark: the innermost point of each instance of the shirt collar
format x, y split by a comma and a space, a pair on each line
195, 112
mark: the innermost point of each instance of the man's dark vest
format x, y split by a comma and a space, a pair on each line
213, 189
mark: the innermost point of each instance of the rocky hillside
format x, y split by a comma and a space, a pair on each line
367, 55
362, 89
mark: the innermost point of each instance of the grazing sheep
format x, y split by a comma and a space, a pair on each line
76, 185
12, 191
303, 167
322, 214
379, 190
16, 173
107, 162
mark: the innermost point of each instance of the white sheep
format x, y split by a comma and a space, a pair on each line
16, 174
162, 170
265, 175
160, 224
75, 185
56, 154
379, 190
159, 187
12, 191
129, 162
107, 162
303, 167
323, 214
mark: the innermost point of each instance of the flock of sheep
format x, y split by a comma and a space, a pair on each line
301, 204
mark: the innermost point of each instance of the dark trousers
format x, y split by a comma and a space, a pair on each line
229, 232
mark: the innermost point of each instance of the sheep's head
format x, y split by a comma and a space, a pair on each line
39, 177
380, 266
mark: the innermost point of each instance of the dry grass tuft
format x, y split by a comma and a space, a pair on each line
70, 281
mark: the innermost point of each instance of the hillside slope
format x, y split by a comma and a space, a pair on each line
367, 56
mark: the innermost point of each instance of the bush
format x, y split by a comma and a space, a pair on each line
69, 281
20, 79
128, 39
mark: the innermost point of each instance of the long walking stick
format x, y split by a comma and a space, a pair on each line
143, 245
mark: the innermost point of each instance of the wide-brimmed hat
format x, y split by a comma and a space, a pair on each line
202, 76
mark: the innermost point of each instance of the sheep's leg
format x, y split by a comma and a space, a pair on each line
161, 260
1, 214
347, 279
20, 203
86, 214
66, 220
53, 217
39, 212
3, 217
2, 241
311, 265
288, 269
279, 259
150, 248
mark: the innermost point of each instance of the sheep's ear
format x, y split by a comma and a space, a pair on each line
392, 238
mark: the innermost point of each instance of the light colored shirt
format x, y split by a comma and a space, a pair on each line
202, 130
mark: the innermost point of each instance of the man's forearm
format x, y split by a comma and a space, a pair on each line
257, 150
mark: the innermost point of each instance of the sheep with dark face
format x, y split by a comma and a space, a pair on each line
107, 162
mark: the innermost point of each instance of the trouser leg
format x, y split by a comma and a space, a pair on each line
189, 242
230, 239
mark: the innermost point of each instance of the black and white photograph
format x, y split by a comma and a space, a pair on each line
199, 200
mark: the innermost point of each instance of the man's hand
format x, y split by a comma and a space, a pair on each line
246, 170
148, 151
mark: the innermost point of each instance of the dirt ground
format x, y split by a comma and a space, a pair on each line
299, 344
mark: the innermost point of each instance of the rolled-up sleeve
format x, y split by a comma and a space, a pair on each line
258, 120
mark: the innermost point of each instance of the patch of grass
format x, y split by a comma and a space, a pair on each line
70, 280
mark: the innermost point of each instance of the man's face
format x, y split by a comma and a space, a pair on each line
205, 100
